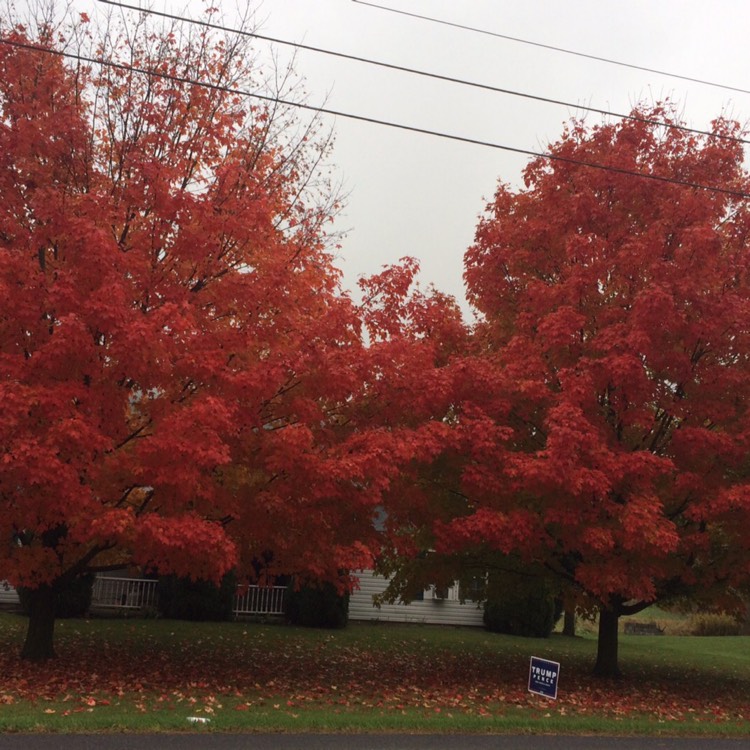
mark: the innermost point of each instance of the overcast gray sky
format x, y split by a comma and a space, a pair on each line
419, 195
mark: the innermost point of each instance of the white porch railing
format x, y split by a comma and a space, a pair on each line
140, 593
259, 600
124, 593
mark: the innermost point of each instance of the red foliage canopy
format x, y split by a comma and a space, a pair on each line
177, 360
605, 417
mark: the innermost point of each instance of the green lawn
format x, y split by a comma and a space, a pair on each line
144, 675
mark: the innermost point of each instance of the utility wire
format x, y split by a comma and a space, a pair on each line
552, 47
374, 121
424, 73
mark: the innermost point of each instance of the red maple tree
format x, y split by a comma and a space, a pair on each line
603, 414
177, 359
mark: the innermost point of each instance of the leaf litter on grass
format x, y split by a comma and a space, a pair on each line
295, 672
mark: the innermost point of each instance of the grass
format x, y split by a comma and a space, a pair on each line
151, 675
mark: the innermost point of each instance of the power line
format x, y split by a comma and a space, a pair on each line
375, 121
565, 51
423, 73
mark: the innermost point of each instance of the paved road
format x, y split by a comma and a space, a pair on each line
352, 742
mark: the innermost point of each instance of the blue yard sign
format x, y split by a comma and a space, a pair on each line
543, 676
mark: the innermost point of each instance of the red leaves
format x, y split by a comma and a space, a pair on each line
603, 419
507, 532
562, 333
185, 545
184, 377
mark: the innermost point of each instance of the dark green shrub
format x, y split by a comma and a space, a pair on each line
525, 608
317, 606
72, 599
186, 599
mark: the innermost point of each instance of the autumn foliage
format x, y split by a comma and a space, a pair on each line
178, 361
185, 386
598, 414
604, 418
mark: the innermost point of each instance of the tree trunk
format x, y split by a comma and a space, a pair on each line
39, 645
606, 653
569, 623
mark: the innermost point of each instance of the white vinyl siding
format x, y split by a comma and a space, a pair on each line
447, 611
8, 594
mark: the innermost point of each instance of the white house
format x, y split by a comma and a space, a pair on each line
8, 594
438, 607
